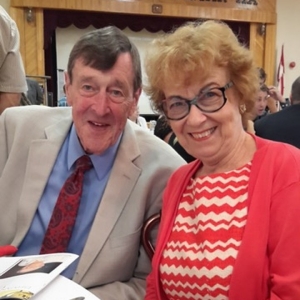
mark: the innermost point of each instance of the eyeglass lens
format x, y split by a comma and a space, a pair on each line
207, 101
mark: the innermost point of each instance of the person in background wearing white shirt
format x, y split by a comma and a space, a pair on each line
136, 118
12, 74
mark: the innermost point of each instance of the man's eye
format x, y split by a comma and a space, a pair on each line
87, 87
116, 93
87, 90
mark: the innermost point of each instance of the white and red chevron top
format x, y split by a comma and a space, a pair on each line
198, 259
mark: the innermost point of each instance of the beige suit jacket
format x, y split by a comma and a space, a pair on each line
113, 265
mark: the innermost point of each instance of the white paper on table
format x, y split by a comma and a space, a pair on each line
18, 282
62, 288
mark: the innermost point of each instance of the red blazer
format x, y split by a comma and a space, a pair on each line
268, 262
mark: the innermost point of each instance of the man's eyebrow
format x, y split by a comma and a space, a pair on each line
119, 83
86, 78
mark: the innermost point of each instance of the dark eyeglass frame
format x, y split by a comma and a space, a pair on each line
195, 100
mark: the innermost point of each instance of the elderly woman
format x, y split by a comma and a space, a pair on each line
230, 220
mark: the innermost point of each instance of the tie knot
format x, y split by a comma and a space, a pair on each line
83, 163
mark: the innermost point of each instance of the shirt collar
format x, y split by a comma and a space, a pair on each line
102, 163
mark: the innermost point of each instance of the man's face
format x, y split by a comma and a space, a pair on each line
101, 102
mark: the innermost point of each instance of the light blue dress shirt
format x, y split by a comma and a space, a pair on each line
94, 184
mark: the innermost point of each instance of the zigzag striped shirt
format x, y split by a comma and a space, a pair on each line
199, 257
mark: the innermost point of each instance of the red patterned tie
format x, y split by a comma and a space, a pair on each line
63, 218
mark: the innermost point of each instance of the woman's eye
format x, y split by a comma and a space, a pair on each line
210, 94
176, 104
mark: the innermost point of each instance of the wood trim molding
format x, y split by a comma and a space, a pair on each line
263, 48
264, 12
230, 10
31, 40
270, 53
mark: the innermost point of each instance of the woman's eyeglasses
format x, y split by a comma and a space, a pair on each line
208, 101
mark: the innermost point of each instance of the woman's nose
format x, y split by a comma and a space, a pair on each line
196, 115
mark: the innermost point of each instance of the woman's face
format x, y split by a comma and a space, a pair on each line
260, 103
208, 136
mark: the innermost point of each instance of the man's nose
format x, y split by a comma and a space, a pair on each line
101, 103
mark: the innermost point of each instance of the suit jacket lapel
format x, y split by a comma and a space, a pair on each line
121, 182
41, 158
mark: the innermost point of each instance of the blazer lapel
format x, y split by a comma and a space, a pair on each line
41, 158
121, 182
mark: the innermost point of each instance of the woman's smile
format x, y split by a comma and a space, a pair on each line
204, 134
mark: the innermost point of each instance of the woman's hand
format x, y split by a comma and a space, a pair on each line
275, 94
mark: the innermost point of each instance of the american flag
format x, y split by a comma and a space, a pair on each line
280, 72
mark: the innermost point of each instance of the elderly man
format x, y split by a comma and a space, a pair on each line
50, 158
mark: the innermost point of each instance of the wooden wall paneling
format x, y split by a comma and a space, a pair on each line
40, 42
270, 53
234, 10
263, 48
257, 43
31, 40
34, 38
17, 14
256, 13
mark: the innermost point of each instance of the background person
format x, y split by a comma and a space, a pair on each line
130, 168
34, 93
139, 120
260, 103
276, 100
162, 129
63, 100
164, 132
259, 109
24, 100
12, 74
225, 231
284, 126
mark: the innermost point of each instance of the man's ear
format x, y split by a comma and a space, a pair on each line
135, 99
136, 95
291, 99
67, 85
132, 109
